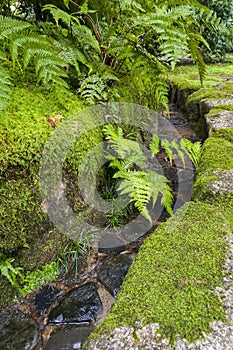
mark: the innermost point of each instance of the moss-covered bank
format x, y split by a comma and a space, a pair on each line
217, 158
26, 234
172, 280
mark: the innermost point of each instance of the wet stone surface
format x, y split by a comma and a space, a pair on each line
71, 338
113, 271
17, 331
81, 305
45, 298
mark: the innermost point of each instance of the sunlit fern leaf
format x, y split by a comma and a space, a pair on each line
126, 149
9, 26
193, 150
140, 186
154, 145
159, 184
178, 149
194, 48
167, 146
58, 14
5, 88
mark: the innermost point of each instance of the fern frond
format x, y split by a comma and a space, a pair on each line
154, 145
193, 150
159, 184
4, 88
85, 37
167, 146
193, 42
125, 149
178, 149
58, 14
10, 26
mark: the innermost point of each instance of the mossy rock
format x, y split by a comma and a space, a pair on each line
187, 77
24, 227
216, 160
173, 277
190, 92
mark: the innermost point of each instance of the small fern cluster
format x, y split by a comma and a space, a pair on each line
128, 160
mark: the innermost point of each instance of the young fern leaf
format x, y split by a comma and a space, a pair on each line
167, 146
158, 184
193, 150
4, 88
178, 150
154, 145
140, 186
125, 149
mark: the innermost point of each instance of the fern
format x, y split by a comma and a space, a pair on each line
167, 146
10, 26
154, 145
27, 46
193, 150
124, 148
4, 88
144, 39
140, 186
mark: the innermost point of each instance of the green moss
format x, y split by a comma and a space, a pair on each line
208, 94
43, 249
173, 277
217, 155
216, 111
28, 127
25, 231
186, 77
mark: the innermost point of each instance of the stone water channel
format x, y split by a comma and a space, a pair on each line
61, 315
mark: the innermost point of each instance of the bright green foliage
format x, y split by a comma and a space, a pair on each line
219, 38
67, 261
25, 45
194, 150
182, 263
9, 271
143, 186
36, 279
93, 53
140, 186
32, 280
4, 90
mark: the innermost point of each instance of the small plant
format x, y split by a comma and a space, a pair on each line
193, 150
32, 280
37, 278
116, 217
10, 272
144, 186
68, 260
49, 272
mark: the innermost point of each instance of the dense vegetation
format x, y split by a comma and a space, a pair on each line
58, 57
99, 52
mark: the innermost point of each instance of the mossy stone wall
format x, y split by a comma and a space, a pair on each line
174, 276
